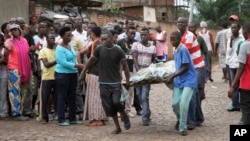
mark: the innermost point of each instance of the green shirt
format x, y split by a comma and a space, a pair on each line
202, 44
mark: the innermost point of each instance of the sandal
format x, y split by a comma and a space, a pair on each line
183, 133
126, 122
116, 131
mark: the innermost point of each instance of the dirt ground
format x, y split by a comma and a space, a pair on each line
215, 127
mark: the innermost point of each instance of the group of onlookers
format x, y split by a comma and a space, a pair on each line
79, 68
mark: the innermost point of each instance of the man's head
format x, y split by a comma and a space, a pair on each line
50, 39
78, 22
43, 28
233, 18
175, 38
107, 38
158, 28
182, 24
95, 32
246, 30
131, 33
130, 23
115, 34
192, 27
69, 24
20, 21
235, 27
144, 34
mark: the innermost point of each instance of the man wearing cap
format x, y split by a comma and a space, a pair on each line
228, 34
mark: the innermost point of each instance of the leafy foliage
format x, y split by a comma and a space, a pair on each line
217, 11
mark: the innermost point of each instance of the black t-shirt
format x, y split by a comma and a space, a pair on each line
95, 69
126, 47
109, 64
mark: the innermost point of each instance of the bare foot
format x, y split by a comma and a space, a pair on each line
116, 131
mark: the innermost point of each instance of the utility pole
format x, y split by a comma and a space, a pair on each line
191, 11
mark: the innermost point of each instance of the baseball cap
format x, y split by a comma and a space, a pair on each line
234, 17
13, 26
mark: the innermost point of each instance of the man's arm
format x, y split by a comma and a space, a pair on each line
236, 80
135, 59
183, 69
48, 64
212, 42
92, 61
126, 71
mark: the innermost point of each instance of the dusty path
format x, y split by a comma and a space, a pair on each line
215, 127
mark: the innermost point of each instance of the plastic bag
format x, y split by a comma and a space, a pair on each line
124, 94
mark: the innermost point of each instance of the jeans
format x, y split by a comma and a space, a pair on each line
143, 94
180, 103
66, 88
48, 88
235, 97
3, 97
195, 114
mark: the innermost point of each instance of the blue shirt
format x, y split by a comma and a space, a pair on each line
65, 60
187, 79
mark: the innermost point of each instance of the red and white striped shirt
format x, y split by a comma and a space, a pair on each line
190, 41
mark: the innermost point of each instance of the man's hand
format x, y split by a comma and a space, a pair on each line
169, 79
230, 92
127, 85
79, 66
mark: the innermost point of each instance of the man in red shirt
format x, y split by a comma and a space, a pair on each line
243, 75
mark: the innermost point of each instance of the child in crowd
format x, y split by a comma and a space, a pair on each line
184, 80
47, 55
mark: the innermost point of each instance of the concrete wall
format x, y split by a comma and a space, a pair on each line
14, 8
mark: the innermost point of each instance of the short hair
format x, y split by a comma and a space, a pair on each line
126, 22
73, 26
63, 30
97, 31
113, 32
194, 23
246, 27
176, 34
237, 23
145, 29
4, 26
2, 38
48, 24
203, 24
106, 31
93, 23
133, 28
224, 25
118, 28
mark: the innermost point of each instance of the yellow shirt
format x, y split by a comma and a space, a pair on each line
48, 73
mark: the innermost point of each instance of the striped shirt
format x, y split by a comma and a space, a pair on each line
190, 41
144, 54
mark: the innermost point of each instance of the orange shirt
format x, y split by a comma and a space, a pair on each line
13, 57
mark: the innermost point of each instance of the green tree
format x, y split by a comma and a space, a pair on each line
217, 11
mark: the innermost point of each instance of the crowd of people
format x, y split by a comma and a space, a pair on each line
75, 70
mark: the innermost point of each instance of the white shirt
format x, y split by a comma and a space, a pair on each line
231, 55
82, 36
124, 35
